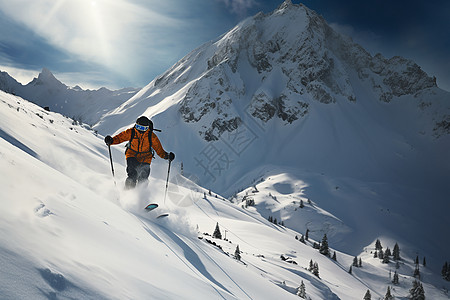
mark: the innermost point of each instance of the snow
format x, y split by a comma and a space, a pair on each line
364, 169
68, 232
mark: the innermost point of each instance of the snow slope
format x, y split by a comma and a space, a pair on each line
67, 232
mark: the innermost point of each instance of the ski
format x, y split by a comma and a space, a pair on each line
151, 206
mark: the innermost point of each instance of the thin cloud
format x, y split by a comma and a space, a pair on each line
239, 7
110, 33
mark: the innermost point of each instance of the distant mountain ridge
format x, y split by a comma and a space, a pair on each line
83, 105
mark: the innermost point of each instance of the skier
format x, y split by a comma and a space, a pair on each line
141, 139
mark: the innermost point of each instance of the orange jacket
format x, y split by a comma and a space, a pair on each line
139, 146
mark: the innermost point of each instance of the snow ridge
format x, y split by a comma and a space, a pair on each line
82, 105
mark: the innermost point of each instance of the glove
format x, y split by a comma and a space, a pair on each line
170, 156
108, 140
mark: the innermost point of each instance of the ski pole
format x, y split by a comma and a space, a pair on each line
112, 165
167, 182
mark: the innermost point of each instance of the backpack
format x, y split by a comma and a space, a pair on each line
127, 146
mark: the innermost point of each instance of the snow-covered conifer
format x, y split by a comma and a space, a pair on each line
395, 279
387, 252
388, 295
378, 245
237, 253
301, 291
367, 296
324, 249
217, 234
355, 261
396, 252
417, 292
416, 271
311, 265
316, 269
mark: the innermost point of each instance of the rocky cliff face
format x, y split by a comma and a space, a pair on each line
277, 65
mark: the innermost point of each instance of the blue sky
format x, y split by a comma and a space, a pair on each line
121, 43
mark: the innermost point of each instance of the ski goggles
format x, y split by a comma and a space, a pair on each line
141, 128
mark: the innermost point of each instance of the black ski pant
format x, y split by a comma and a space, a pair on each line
137, 172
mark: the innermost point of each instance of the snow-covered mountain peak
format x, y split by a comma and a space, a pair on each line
288, 79
285, 4
82, 105
278, 65
47, 78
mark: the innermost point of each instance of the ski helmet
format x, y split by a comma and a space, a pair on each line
143, 124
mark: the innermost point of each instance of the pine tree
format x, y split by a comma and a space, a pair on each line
350, 270
416, 261
301, 291
416, 272
424, 262
360, 263
447, 276
324, 249
311, 266
355, 261
387, 252
367, 296
396, 252
334, 256
388, 295
375, 254
307, 235
217, 234
316, 269
237, 253
380, 254
395, 280
444, 269
417, 292
386, 259
378, 245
